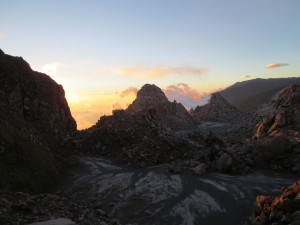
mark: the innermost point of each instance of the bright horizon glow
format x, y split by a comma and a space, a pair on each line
98, 49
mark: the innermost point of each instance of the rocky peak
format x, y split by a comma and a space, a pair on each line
149, 96
173, 114
217, 109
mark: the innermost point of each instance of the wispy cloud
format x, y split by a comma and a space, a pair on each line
1, 35
128, 91
160, 71
245, 76
275, 65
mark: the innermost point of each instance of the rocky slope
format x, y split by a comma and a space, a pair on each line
217, 109
172, 114
34, 115
139, 138
142, 139
142, 134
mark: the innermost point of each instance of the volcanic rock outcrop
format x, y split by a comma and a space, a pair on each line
34, 115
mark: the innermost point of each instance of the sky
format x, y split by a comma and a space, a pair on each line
103, 51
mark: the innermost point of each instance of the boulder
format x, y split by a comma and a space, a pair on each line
200, 169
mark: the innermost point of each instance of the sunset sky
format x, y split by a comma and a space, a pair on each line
103, 51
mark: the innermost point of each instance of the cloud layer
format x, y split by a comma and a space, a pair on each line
275, 65
161, 71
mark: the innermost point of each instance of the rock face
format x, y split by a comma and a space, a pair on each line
277, 134
173, 114
33, 97
217, 110
282, 209
282, 115
34, 115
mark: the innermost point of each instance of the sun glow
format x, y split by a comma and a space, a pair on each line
72, 97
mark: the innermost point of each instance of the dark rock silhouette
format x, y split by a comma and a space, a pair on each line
34, 116
217, 109
173, 114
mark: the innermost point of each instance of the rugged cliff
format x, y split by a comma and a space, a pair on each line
34, 116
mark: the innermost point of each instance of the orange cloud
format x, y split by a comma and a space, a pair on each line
161, 71
129, 91
184, 89
187, 96
245, 76
275, 65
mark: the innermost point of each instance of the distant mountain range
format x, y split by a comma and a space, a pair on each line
248, 95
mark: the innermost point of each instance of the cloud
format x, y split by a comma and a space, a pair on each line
183, 89
161, 71
51, 69
129, 91
245, 76
187, 96
275, 65
1, 35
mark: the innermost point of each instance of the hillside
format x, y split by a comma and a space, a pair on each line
248, 95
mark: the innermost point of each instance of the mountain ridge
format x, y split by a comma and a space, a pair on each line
248, 95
